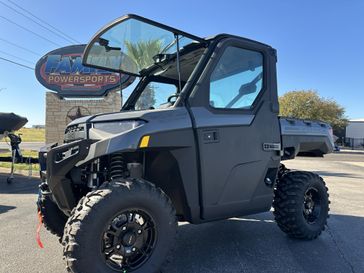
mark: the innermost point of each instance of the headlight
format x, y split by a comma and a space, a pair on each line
116, 127
75, 132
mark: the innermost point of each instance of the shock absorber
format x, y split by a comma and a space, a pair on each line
118, 167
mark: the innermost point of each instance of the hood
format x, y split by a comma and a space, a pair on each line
147, 115
153, 121
124, 115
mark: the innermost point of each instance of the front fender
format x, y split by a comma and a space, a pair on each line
125, 142
158, 122
60, 160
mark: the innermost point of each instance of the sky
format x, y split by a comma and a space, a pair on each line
319, 43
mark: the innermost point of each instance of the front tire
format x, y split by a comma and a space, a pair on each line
127, 225
53, 218
301, 204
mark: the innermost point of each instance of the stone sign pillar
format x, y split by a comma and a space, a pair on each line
60, 111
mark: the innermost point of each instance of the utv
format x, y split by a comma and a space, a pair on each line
199, 139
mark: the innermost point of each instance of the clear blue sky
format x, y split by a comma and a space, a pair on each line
320, 43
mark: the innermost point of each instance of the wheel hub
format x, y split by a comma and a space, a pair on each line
312, 205
309, 204
128, 240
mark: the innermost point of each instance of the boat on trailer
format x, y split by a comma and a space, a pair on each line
10, 122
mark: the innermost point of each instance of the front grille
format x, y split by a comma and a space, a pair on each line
75, 132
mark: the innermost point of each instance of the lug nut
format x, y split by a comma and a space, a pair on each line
139, 231
124, 228
133, 249
118, 247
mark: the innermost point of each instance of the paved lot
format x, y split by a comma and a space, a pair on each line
250, 244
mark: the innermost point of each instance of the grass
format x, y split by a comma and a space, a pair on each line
21, 166
24, 153
31, 135
28, 135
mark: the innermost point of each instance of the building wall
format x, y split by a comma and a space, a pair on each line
355, 133
355, 129
59, 112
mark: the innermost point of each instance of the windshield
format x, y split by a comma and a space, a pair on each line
155, 95
131, 45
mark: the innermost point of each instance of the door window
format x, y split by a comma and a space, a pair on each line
237, 79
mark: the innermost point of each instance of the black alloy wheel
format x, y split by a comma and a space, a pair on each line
129, 240
312, 205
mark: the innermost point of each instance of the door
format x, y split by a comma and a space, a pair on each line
234, 108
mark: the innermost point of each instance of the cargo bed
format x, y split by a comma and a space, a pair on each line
306, 137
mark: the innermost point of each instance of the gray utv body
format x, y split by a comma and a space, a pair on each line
213, 163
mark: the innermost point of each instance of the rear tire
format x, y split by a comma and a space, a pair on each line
127, 225
301, 204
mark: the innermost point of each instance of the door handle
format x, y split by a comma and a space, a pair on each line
210, 136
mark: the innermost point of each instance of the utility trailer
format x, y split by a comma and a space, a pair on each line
199, 139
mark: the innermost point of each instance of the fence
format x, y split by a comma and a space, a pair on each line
354, 143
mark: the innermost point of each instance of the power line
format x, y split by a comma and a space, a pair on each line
39, 24
16, 57
13, 62
21, 47
36, 34
44, 22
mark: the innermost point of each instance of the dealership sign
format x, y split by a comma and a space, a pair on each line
61, 70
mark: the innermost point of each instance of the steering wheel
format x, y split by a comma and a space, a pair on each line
171, 97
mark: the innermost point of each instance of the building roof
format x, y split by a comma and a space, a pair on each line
357, 120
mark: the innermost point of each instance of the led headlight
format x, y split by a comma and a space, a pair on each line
75, 132
116, 127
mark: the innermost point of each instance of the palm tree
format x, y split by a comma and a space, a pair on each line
142, 54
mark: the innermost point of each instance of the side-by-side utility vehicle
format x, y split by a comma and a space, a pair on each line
199, 139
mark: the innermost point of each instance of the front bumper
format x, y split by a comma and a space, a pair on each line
59, 161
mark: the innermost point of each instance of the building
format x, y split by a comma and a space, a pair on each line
60, 111
355, 133
41, 126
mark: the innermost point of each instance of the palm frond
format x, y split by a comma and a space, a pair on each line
142, 53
